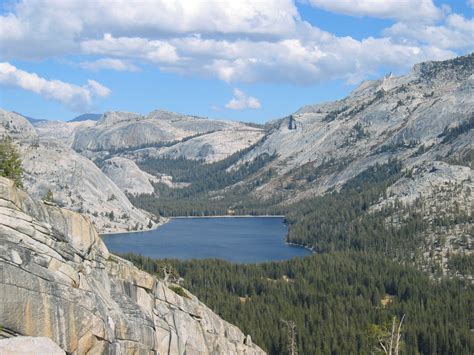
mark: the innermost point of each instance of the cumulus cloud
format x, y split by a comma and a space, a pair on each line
38, 29
242, 101
152, 50
456, 32
243, 41
77, 98
109, 63
418, 10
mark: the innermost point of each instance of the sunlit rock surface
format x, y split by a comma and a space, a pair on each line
58, 280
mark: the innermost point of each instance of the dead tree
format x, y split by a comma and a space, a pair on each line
170, 274
390, 344
291, 326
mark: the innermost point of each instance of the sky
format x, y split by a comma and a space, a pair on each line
248, 60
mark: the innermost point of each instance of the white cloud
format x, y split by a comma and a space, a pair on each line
77, 98
412, 10
235, 41
242, 101
457, 32
304, 61
97, 88
38, 29
152, 50
109, 63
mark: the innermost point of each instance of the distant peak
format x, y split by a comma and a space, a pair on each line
168, 115
457, 67
113, 117
87, 116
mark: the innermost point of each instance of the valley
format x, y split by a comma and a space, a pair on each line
379, 185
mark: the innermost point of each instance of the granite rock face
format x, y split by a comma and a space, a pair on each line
129, 131
75, 181
60, 130
16, 126
58, 280
29, 346
210, 147
408, 118
128, 176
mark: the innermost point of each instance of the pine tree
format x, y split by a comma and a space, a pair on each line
48, 197
10, 162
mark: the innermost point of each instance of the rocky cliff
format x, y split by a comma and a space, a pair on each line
117, 132
128, 177
75, 181
58, 280
420, 117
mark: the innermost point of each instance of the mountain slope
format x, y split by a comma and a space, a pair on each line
74, 180
58, 280
121, 130
60, 130
406, 118
402, 146
86, 117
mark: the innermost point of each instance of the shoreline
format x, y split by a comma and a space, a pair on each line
167, 219
157, 225
300, 246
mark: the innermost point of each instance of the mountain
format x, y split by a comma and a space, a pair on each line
128, 176
75, 181
60, 130
411, 136
119, 132
86, 117
407, 118
59, 281
379, 184
16, 126
422, 121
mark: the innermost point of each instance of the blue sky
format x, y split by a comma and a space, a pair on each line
243, 60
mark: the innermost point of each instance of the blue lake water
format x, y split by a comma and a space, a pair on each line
243, 240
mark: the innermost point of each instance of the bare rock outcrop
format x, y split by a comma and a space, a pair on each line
29, 346
58, 280
210, 147
75, 181
124, 130
420, 117
128, 176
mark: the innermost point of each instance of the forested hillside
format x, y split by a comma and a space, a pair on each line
341, 302
371, 250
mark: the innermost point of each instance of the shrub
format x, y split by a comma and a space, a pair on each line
178, 290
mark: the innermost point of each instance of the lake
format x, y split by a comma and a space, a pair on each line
236, 239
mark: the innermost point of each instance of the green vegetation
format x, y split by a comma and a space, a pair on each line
452, 133
178, 290
214, 188
48, 197
365, 275
10, 162
340, 220
462, 264
337, 301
